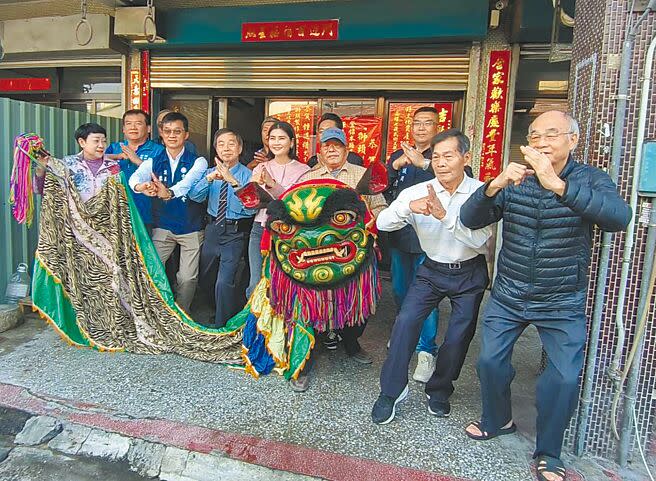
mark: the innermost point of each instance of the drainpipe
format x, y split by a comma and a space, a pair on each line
632, 385
646, 291
614, 368
606, 240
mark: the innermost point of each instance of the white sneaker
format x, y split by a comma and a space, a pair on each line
425, 367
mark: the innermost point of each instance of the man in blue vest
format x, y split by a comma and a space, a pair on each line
177, 220
133, 151
229, 222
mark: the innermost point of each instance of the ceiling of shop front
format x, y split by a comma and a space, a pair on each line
15, 9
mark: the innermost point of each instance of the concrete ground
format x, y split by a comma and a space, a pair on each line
330, 422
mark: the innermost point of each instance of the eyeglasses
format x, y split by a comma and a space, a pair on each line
176, 132
426, 123
549, 137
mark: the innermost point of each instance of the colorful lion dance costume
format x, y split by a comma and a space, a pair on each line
99, 282
321, 273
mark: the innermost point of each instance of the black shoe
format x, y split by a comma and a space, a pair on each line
441, 409
385, 407
331, 340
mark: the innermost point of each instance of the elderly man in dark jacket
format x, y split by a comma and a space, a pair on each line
549, 206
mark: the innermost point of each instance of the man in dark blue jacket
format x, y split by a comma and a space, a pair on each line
549, 207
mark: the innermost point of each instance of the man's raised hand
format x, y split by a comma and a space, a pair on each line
420, 206
435, 207
543, 168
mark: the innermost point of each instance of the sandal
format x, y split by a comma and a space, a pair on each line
485, 435
548, 464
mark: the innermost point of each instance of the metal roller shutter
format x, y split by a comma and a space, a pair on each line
443, 71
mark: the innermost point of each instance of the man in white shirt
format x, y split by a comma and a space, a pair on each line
454, 267
177, 220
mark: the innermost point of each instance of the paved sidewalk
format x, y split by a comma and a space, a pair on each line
326, 432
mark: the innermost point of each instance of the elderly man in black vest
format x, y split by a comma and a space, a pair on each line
549, 206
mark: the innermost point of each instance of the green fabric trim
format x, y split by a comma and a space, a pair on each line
48, 296
157, 271
300, 349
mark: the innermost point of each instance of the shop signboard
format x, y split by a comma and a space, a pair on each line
293, 31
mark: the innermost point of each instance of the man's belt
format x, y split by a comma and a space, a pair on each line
431, 264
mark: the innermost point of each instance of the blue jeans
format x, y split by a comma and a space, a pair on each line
404, 270
254, 257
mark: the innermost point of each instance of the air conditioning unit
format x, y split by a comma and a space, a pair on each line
136, 25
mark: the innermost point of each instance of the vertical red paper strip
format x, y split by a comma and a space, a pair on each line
495, 114
145, 80
135, 89
364, 136
399, 124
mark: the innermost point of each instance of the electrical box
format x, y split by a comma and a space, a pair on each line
647, 185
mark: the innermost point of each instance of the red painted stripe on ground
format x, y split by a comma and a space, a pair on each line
251, 449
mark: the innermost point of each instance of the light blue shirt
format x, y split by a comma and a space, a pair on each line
204, 189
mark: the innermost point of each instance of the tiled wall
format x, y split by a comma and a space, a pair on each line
598, 37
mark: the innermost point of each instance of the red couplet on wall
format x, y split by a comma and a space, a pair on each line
495, 114
24, 84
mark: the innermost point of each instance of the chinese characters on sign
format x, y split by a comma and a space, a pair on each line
24, 84
399, 122
301, 117
135, 89
297, 31
495, 114
364, 136
145, 80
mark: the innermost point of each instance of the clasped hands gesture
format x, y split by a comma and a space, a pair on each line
263, 178
410, 156
128, 153
538, 164
429, 205
154, 188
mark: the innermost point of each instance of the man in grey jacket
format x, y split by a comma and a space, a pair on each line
549, 206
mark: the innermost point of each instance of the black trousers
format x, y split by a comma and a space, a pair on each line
223, 247
464, 287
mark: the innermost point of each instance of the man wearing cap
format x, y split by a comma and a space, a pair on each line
334, 152
330, 120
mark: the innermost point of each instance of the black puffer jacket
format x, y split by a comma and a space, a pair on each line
545, 255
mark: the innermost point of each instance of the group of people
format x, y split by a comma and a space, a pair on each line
439, 220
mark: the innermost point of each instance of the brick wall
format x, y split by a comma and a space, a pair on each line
600, 30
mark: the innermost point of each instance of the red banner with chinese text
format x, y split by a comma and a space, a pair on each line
399, 122
296, 31
301, 117
145, 80
495, 114
135, 89
364, 136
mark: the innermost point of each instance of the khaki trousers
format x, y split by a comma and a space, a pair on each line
165, 242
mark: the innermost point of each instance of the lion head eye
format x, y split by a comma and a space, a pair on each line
283, 228
344, 217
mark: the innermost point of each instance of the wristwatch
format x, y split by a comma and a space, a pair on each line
427, 163
171, 194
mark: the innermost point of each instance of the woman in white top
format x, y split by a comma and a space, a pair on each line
275, 176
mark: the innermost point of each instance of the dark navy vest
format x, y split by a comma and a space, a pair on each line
180, 215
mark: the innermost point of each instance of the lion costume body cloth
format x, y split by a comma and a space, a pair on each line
99, 282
